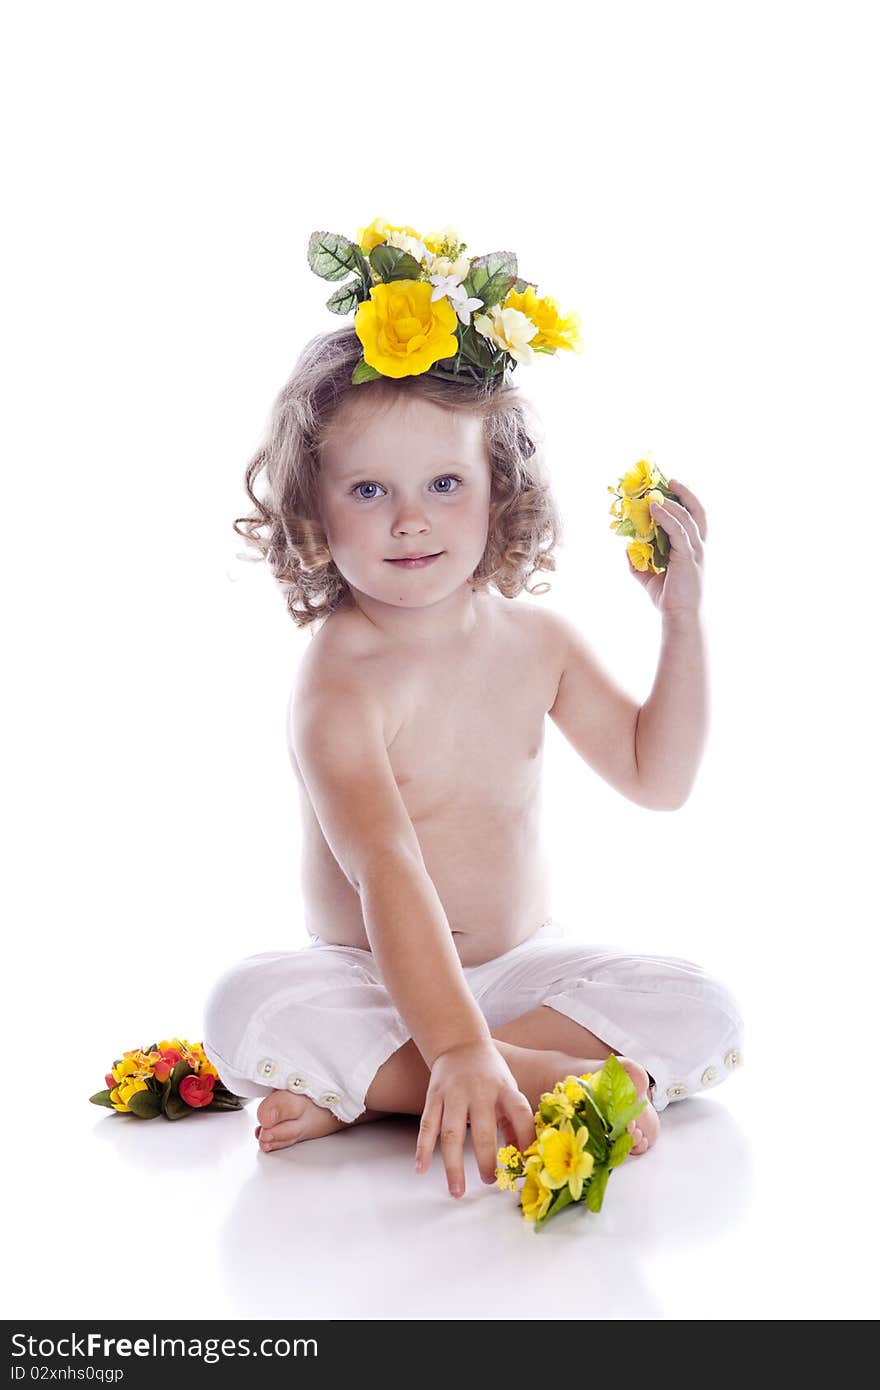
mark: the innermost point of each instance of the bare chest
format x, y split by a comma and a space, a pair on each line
467, 736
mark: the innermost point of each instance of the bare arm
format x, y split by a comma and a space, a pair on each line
672, 726
409, 935
649, 753
339, 742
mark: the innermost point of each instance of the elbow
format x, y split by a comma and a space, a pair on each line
381, 861
661, 803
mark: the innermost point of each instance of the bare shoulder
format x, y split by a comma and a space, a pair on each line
339, 667
545, 633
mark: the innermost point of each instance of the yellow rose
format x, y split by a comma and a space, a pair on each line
404, 331
554, 331
378, 231
535, 1197
565, 1159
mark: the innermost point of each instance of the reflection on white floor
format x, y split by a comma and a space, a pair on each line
118, 1217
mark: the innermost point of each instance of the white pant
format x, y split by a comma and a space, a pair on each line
319, 1020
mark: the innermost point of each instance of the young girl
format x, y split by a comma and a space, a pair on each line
435, 982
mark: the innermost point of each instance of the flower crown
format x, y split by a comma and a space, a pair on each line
415, 298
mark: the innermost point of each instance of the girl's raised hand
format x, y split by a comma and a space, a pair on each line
678, 590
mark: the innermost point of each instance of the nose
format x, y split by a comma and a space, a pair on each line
410, 521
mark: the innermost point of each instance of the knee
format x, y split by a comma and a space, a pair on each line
231, 1005
709, 1047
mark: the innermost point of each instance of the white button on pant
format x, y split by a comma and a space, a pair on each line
709, 1075
732, 1058
266, 1068
676, 1092
329, 1098
295, 1082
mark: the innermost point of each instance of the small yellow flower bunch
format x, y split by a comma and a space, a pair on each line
172, 1078
631, 508
581, 1129
415, 298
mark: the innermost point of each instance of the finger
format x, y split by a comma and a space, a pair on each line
506, 1129
452, 1132
679, 526
428, 1130
484, 1139
522, 1118
693, 504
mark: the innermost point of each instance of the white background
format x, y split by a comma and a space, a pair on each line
696, 181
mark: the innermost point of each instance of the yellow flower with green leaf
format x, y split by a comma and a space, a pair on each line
554, 330
403, 331
565, 1158
122, 1094
572, 1089
560, 1102
535, 1196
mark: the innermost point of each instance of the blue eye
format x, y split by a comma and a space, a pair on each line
447, 492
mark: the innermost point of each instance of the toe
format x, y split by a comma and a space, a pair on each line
287, 1132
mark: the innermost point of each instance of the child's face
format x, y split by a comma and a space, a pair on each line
411, 479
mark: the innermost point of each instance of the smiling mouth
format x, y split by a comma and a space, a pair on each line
396, 559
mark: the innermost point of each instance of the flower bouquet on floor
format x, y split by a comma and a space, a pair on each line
631, 508
581, 1128
169, 1078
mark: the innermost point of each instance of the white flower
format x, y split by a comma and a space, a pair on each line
404, 242
442, 265
452, 288
509, 329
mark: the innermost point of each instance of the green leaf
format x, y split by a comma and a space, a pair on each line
626, 1117
661, 542
221, 1102
331, 256
181, 1069
176, 1107
626, 528
491, 277
102, 1098
363, 372
597, 1144
613, 1089
346, 298
522, 285
563, 1199
596, 1189
145, 1104
473, 347
390, 263
619, 1150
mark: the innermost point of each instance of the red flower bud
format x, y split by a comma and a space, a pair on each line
197, 1090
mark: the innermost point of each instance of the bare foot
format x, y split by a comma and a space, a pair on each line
286, 1118
644, 1128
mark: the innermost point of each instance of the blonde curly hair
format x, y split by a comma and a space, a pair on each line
525, 525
